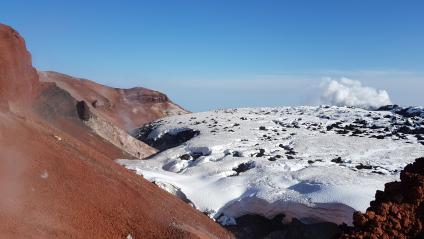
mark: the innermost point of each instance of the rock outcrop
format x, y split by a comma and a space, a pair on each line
397, 212
58, 178
18, 79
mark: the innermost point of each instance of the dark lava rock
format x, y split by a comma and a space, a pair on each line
361, 166
405, 112
334, 125
378, 136
166, 141
378, 172
291, 152
83, 110
243, 167
404, 130
237, 154
261, 153
360, 122
185, 157
272, 158
388, 108
337, 160
342, 131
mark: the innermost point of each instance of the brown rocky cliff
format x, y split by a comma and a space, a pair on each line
18, 79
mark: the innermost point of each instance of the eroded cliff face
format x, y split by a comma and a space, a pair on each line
397, 212
18, 79
126, 108
58, 178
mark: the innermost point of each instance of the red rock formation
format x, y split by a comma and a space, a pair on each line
126, 108
57, 183
398, 212
18, 79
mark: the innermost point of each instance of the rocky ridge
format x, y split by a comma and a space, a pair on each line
125, 108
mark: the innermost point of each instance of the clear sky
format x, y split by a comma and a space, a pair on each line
218, 54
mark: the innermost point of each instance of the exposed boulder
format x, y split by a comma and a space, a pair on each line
83, 110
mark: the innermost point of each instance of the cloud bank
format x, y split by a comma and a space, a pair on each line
347, 92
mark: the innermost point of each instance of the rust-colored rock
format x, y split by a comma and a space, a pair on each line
126, 108
58, 178
18, 79
398, 212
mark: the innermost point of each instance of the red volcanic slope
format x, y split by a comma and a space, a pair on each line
126, 108
54, 184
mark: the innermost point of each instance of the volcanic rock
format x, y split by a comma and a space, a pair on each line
83, 110
398, 212
18, 79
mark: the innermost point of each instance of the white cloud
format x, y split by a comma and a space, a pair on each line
347, 92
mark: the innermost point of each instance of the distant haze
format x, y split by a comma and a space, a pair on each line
366, 89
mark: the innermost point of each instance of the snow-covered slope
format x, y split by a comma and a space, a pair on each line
312, 163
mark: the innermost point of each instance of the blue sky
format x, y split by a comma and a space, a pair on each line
218, 54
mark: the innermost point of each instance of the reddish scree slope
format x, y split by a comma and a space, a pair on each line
56, 185
126, 108
398, 212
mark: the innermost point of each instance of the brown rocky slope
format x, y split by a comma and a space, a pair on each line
57, 183
398, 212
126, 108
